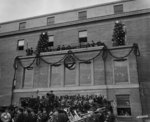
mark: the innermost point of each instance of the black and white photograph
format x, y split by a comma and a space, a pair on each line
74, 60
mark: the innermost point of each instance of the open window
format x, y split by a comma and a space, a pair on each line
20, 44
51, 40
123, 105
83, 37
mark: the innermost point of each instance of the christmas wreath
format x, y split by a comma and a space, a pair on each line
70, 62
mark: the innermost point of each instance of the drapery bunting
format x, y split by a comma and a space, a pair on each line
70, 58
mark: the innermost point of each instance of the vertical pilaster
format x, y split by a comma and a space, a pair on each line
92, 72
23, 78
49, 76
105, 77
63, 76
77, 73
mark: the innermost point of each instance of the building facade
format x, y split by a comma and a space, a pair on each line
120, 76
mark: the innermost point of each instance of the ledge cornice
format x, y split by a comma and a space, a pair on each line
78, 50
75, 88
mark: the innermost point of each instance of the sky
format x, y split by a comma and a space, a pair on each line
19, 9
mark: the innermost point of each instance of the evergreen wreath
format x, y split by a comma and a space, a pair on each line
69, 61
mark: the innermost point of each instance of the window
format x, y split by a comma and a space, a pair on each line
51, 40
82, 36
121, 71
22, 25
20, 44
118, 9
50, 20
82, 15
123, 105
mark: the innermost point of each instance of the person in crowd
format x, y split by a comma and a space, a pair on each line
33, 116
5, 116
63, 47
110, 117
58, 48
50, 108
39, 116
44, 116
25, 115
93, 44
19, 115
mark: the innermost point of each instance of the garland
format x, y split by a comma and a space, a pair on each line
70, 58
18, 61
83, 60
121, 57
53, 63
134, 49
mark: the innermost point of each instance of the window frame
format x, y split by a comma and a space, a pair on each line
51, 20
22, 25
51, 42
82, 15
83, 39
118, 9
20, 47
123, 106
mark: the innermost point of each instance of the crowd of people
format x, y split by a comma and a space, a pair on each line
30, 51
52, 108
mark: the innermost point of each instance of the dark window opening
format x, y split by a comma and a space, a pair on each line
20, 45
123, 105
51, 40
51, 44
124, 111
83, 40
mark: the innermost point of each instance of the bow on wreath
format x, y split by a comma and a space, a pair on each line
69, 61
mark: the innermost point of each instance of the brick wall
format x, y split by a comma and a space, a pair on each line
137, 32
